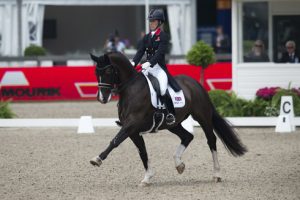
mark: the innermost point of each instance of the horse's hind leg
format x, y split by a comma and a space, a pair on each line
207, 127
140, 144
185, 137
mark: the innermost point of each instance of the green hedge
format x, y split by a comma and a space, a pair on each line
34, 50
229, 105
5, 111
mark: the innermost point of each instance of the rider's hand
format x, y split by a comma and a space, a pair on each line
146, 65
132, 63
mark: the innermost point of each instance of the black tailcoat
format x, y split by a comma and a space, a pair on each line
156, 47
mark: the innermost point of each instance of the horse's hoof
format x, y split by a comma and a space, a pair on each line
217, 179
144, 184
180, 168
96, 161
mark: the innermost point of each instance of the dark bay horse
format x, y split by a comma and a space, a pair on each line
115, 74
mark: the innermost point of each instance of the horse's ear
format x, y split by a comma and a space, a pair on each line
94, 58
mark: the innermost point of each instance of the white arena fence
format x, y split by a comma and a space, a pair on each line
110, 122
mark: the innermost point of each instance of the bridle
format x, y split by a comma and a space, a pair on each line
115, 86
114, 81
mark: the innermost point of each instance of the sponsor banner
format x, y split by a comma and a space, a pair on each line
79, 83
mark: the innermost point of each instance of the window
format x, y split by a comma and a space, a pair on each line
255, 32
49, 31
285, 28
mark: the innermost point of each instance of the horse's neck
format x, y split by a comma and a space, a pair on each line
126, 74
126, 71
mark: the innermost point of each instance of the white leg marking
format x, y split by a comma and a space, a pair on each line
217, 175
178, 153
100, 96
109, 97
148, 175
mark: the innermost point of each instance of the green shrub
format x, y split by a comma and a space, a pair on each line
219, 97
234, 107
201, 55
229, 105
286, 92
257, 107
34, 50
5, 111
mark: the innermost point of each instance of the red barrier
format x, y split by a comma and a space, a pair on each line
78, 83
216, 76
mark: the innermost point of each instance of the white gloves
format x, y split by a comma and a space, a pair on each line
145, 66
132, 63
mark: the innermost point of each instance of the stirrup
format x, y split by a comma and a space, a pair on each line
170, 119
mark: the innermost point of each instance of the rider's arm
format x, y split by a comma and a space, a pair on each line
162, 49
139, 54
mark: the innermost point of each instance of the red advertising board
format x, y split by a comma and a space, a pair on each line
79, 83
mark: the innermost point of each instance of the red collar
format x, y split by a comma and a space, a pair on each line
157, 32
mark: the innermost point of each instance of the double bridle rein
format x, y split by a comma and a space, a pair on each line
115, 86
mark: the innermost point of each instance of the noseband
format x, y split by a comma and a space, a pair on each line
114, 81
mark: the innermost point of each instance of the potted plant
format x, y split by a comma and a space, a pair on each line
201, 55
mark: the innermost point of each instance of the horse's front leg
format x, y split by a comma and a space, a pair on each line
115, 142
140, 144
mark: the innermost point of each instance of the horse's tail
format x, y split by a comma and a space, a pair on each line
227, 135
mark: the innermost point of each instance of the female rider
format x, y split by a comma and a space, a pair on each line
155, 44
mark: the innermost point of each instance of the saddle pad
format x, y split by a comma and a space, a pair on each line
177, 97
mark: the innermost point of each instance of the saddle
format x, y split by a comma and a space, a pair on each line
177, 99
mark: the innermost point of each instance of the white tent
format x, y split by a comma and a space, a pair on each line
182, 20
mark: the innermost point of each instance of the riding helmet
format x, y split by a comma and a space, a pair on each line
156, 14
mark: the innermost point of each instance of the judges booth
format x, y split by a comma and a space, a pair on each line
261, 30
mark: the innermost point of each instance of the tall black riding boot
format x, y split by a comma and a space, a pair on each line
170, 118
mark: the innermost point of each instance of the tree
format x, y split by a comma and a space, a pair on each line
201, 55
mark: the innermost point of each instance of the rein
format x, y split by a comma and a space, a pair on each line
123, 85
114, 86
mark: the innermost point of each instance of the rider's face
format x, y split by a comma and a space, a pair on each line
153, 24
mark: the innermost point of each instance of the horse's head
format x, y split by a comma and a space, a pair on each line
107, 77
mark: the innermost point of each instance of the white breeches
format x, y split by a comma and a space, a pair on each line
161, 76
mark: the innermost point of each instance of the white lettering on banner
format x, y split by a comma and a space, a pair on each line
15, 78
285, 121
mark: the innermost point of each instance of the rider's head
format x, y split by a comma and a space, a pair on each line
156, 18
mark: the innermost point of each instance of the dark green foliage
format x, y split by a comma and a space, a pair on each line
287, 92
201, 54
5, 111
34, 50
229, 105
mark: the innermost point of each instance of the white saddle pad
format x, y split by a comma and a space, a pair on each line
177, 97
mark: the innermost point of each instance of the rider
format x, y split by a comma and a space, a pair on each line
155, 44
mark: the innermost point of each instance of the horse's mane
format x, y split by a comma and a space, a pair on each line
120, 60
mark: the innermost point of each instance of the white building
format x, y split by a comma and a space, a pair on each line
84, 25
274, 22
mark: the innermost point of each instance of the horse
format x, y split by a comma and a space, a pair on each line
115, 74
